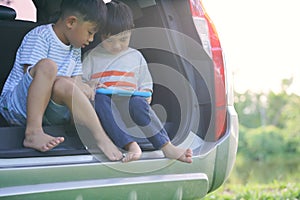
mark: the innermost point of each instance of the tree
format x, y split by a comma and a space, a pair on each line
277, 103
260, 109
269, 123
291, 116
251, 109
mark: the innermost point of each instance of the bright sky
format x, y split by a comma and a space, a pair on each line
25, 9
261, 40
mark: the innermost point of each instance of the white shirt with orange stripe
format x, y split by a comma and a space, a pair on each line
127, 70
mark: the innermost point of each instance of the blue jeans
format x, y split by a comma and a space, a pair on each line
117, 113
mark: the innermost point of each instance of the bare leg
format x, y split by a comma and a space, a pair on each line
39, 92
134, 152
65, 92
173, 152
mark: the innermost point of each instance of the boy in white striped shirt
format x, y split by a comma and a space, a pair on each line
45, 86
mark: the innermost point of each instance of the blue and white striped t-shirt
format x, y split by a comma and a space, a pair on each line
42, 42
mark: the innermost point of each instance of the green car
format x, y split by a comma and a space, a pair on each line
193, 97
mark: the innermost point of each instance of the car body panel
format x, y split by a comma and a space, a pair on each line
73, 171
92, 173
127, 188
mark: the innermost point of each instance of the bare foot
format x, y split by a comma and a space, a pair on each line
110, 150
134, 152
173, 152
41, 141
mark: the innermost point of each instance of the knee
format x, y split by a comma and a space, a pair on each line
63, 87
137, 102
46, 67
139, 111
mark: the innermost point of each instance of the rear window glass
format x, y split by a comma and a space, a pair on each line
25, 9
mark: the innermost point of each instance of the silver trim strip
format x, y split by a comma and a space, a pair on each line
45, 161
192, 141
53, 187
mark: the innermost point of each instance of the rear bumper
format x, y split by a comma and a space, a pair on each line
226, 151
146, 187
84, 176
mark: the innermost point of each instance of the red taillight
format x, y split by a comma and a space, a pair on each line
212, 46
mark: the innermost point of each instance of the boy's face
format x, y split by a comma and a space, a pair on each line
81, 33
115, 44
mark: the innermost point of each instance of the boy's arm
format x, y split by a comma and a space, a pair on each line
149, 99
25, 68
145, 80
33, 48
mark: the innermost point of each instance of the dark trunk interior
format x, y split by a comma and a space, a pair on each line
12, 32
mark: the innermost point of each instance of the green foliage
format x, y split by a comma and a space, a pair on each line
280, 167
261, 142
248, 106
275, 106
291, 127
268, 160
260, 109
269, 123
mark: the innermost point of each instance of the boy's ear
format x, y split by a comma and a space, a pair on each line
71, 21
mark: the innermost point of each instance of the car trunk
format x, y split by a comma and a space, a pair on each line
182, 72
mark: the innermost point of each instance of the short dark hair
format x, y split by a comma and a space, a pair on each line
87, 10
119, 18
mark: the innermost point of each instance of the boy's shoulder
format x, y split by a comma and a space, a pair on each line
132, 50
100, 52
40, 30
135, 52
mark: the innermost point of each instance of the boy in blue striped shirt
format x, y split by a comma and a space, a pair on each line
45, 86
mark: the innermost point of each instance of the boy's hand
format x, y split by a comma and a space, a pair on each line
84, 87
148, 99
100, 85
88, 91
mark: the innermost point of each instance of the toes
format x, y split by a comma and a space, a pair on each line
61, 139
113, 158
44, 148
57, 141
186, 156
120, 156
189, 153
125, 159
48, 147
53, 143
116, 156
131, 157
186, 159
41, 141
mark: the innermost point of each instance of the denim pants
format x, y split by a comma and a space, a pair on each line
117, 113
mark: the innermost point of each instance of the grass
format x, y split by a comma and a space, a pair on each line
254, 191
